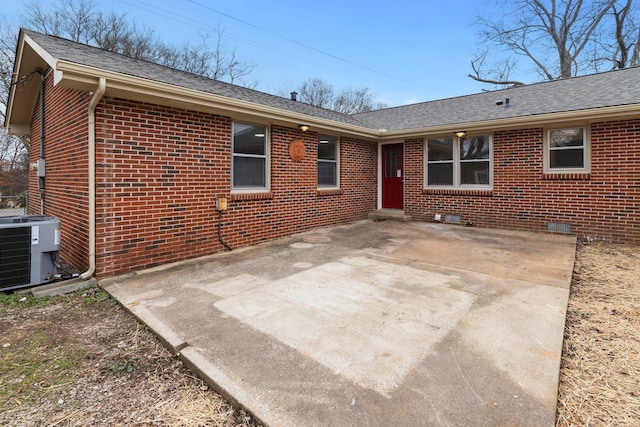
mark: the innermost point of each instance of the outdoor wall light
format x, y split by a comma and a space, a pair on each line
460, 133
303, 128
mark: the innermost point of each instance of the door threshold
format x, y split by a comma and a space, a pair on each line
389, 214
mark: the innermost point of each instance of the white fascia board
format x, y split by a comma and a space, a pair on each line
539, 120
125, 86
29, 55
82, 77
46, 56
19, 130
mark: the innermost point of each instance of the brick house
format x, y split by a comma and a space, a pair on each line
134, 156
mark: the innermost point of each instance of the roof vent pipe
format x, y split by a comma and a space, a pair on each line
294, 96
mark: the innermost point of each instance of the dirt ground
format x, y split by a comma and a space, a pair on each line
82, 360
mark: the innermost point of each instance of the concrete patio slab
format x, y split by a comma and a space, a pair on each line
373, 323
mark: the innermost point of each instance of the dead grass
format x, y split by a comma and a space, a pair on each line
193, 409
82, 360
600, 373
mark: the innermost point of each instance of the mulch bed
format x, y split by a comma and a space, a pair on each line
600, 373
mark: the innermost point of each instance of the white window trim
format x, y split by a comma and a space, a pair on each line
337, 162
456, 165
267, 157
587, 151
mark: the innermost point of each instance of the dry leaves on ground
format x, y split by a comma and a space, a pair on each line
82, 360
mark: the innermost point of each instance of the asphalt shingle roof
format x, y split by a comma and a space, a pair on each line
613, 88
82, 54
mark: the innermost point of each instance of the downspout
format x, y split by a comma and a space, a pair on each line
97, 95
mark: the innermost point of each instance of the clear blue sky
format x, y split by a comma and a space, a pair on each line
405, 51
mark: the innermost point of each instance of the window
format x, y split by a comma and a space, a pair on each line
440, 161
566, 149
328, 165
250, 157
458, 162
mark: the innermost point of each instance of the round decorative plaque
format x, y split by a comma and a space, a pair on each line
296, 149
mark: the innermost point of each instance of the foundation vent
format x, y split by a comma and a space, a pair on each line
453, 219
558, 227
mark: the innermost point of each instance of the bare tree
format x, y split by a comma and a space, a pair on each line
14, 166
69, 18
226, 62
207, 58
500, 72
14, 161
348, 101
551, 34
81, 21
623, 49
316, 92
358, 100
113, 32
621, 44
7, 47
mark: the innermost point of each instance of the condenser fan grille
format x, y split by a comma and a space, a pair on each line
15, 256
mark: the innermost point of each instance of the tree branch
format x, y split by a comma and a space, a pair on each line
496, 82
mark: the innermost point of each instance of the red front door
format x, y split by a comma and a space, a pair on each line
392, 176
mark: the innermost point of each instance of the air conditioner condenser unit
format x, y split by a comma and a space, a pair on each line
29, 245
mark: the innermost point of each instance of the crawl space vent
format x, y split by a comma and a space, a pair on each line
558, 227
453, 219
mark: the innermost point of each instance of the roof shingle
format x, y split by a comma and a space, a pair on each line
609, 89
82, 54
613, 88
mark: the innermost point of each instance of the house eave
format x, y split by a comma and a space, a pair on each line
82, 77
29, 58
19, 130
538, 120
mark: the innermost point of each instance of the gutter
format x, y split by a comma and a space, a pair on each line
538, 120
91, 140
78, 76
83, 77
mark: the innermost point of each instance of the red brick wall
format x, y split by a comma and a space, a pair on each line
160, 170
604, 205
66, 184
